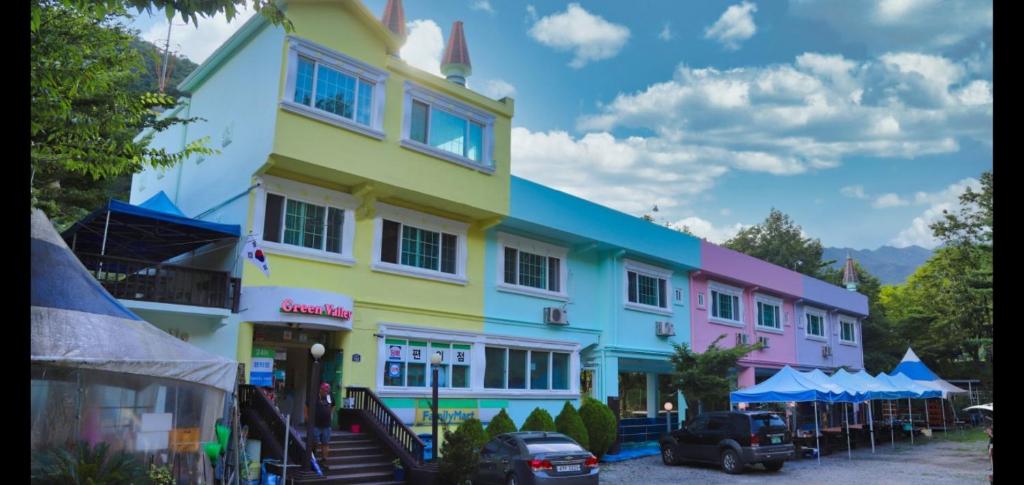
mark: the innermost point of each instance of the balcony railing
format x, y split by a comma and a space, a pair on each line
133, 279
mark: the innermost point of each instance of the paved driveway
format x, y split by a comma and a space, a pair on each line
936, 463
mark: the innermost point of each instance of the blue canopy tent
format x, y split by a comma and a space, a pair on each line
910, 389
99, 373
155, 230
846, 397
789, 385
861, 391
912, 367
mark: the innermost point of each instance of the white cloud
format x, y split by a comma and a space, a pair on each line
705, 229
888, 200
734, 26
497, 89
883, 25
424, 46
590, 37
531, 13
482, 5
947, 199
196, 43
976, 93
666, 33
854, 191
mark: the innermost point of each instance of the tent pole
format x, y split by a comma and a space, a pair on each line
871, 427
106, 228
942, 406
928, 414
892, 432
846, 417
910, 409
817, 442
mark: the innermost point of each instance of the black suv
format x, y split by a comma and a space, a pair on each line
730, 438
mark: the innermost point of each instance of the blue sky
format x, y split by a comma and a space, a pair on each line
862, 120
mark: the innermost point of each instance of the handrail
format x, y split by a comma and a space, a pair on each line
250, 396
397, 431
135, 279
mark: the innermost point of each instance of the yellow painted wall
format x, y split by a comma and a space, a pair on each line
357, 157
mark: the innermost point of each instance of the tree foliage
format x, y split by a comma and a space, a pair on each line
188, 10
460, 455
779, 240
501, 423
706, 377
570, 424
602, 429
538, 420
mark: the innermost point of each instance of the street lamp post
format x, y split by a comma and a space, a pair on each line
435, 359
317, 351
668, 416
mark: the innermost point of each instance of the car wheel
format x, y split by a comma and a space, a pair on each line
773, 466
731, 463
668, 455
512, 480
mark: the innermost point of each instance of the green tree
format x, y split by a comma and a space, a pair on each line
501, 423
86, 119
780, 241
188, 10
475, 429
706, 378
602, 429
538, 420
570, 424
460, 456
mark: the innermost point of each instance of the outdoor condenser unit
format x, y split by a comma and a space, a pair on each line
556, 316
664, 329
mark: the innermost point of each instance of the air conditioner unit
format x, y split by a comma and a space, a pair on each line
665, 329
826, 351
763, 341
556, 316
741, 339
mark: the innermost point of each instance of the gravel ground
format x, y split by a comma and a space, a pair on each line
932, 464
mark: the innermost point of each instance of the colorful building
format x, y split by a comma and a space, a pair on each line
382, 197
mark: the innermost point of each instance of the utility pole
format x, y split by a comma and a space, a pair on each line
167, 54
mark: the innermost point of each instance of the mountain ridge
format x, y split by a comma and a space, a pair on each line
891, 265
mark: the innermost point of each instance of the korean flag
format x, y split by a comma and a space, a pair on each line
255, 255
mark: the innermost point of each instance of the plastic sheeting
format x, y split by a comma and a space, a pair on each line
76, 323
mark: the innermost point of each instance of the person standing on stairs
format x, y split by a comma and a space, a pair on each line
322, 420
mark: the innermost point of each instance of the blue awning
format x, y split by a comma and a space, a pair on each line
155, 230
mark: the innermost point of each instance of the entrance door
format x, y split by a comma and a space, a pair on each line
633, 394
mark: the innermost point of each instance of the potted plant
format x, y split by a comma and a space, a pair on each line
399, 469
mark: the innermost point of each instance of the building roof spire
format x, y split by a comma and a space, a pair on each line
394, 17
850, 274
455, 64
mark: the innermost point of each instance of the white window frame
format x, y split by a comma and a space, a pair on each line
428, 378
478, 362
650, 271
347, 65
768, 300
420, 220
714, 286
310, 194
419, 93
531, 246
853, 323
824, 324
529, 359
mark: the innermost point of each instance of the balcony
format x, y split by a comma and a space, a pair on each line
150, 281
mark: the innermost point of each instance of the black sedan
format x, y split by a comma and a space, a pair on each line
534, 457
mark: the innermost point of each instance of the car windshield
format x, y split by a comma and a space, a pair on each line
759, 421
550, 445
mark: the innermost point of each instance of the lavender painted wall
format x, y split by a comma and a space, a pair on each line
838, 304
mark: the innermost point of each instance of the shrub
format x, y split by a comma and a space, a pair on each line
460, 454
538, 420
569, 423
600, 423
500, 424
82, 463
475, 429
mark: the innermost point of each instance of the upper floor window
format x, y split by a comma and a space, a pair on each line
769, 312
847, 331
334, 88
531, 266
420, 244
442, 127
647, 287
725, 303
305, 220
815, 323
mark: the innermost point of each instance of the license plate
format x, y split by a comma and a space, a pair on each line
776, 440
567, 468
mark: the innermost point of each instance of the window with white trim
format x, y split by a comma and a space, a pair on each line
408, 241
407, 362
511, 368
815, 323
531, 266
647, 287
442, 127
847, 331
726, 303
769, 313
305, 219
